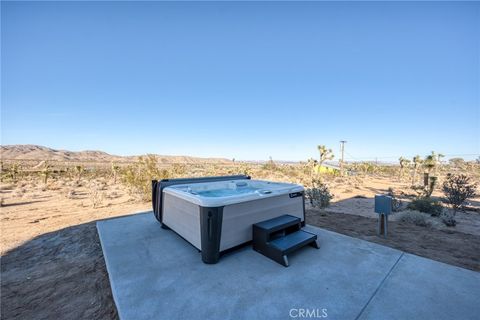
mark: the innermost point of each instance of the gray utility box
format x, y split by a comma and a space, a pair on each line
383, 206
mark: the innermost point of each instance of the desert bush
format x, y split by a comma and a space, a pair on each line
70, 193
426, 205
102, 184
138, 177
396, 203
269, 165
319, 195
307, 168
448, 218
113, 195
19, 192
415, 217
115, 170
365, 168
14, 171
78, 173
245, 169
46, 172
96, 194
457, 162
178, 170
457, 190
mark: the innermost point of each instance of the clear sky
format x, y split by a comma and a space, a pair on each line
242, 80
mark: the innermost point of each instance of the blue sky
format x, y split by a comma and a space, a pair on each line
242, 80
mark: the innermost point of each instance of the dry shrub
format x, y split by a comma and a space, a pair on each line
102, 184
55, 186
448, 218
426, 205
178, 170
70, 193
19, 192
138, 177
21, 184
457, 190
415, 217
113, 195
96, 194
319, 195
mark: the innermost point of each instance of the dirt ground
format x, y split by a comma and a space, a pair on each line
52, 264
58, 275
446, 246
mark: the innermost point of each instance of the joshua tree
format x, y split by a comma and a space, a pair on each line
14, 169
432, 161
404, 163
79, 170
325, 154
115, 170
46, 171
417, 162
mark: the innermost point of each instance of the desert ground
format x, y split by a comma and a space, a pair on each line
52, 264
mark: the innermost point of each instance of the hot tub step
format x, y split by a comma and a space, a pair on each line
293, 241
275, 238
279, 223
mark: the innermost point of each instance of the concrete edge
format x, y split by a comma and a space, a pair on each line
380, 285
107, 263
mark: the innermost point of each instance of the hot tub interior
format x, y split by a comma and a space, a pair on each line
232, 188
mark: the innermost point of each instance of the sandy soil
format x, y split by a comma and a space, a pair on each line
447, 246
36, 212
58, 275
52, 264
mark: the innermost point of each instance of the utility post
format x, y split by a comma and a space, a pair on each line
342, 150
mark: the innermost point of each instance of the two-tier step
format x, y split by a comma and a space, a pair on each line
280, 236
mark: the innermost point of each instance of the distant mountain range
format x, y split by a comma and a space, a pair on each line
39, 153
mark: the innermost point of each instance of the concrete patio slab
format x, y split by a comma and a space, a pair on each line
419, 288
156, 274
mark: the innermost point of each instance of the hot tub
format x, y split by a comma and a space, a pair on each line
216, 214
